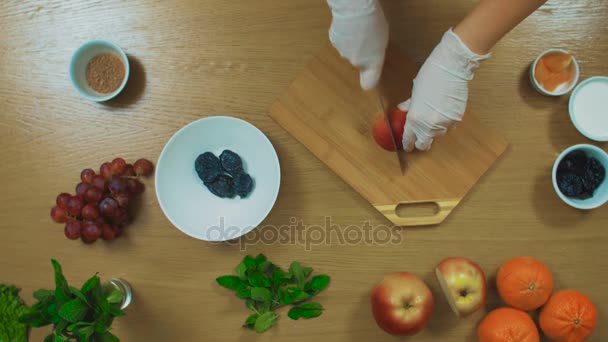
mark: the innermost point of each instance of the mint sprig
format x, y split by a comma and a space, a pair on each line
266, 287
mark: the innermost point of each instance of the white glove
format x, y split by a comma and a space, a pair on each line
359, 31
440, 92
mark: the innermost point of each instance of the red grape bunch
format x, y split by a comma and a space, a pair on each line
99, 207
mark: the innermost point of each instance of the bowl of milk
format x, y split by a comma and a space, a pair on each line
588, 108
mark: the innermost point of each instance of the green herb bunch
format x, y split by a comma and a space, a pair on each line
77, 315
265, 287
11, 307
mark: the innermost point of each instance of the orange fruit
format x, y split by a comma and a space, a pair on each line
553, 70
557, 61
568, 316
524, 283
507, 325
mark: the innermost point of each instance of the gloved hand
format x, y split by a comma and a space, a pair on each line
359, 31
440, 92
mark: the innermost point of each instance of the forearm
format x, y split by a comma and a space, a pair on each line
481, 29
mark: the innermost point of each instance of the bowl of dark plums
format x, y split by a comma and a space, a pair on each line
579, 176
217, 178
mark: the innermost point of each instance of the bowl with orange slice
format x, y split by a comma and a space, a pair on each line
554, 72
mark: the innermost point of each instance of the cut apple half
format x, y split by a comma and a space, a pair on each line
463, 284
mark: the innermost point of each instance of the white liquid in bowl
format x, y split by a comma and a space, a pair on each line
590, 108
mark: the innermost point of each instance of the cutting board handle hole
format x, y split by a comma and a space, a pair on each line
423, 209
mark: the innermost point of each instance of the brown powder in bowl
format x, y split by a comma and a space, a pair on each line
105, 73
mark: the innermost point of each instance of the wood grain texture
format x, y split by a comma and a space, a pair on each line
199, 58
326, 110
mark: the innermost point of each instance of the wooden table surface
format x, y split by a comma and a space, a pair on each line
193, 59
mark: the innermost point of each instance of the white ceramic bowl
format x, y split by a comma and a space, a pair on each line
540, 89
78, 67
587, 107
600, 197
185, 200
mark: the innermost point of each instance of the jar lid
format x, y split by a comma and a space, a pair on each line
588, 108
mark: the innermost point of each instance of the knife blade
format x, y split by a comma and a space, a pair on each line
388, 122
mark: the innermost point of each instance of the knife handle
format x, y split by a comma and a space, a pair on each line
444, 208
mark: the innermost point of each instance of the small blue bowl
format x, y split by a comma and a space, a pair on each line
78, 67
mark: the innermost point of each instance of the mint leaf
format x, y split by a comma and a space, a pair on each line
250, 321
86, 331
307, 271
43, 295
308, 310
73, 311
250, 304
105, 337
114, 297
49, 338
90, 284
241, 271
60, 327
115, 311
278, 277
52, 311
62, 292
258, 279
76, 292
298, 273
265, 266
231, 282
58, 338
261, 294
260, 259
249, 262
265, 322
263, 307
317, 284
244, 293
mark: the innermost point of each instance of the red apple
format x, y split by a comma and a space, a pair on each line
402, 304
381, 131
463, 284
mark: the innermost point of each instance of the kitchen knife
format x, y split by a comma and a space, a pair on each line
390, 128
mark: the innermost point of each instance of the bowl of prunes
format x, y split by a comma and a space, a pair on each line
579, 176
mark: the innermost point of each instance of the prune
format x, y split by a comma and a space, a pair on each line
222, 186
243, 184
231, 162
594, 175
208, 168
574, 162
570, 184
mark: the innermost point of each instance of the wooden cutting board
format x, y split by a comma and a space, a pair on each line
326, 110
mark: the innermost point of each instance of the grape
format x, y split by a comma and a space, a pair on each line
87, 175
121, 217
100, 183
105, 170
75, 204
117, 184
143, 167
90, 212
81, 188
129, 171
59, 215
93, 195
72, 229
62, 200
90, 232
118, 166
122, 199
135, 187
108, 207
118, 230
108, 233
